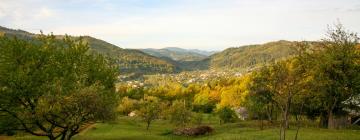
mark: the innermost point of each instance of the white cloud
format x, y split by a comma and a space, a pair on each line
24, 14
44, 12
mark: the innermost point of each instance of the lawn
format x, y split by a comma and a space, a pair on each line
133, 129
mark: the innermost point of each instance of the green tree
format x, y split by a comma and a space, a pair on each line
226, 115
149, 109
278, 84
337, 72
179, 113
259, 104
54, 87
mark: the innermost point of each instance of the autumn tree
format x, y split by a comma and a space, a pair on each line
234, 94
127, 105
202, 101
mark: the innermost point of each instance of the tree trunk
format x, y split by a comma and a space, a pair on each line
287, 113
298, 127
331, 115
298, 119
283, 125
65, 135
323, 123
331, 121
51, 137
282, 130
260, 120
148, 125
269, 112
285, 119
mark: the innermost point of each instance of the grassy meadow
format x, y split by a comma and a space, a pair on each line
126, 128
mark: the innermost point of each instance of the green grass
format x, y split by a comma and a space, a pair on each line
133, 129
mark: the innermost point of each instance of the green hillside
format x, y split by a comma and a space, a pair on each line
133, 62
188, 65
251, 55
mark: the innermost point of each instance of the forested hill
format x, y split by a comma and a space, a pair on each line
244, 57
249, 56
133, 62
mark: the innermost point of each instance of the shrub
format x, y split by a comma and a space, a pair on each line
227, 115
179, 113
127, 105
206, 108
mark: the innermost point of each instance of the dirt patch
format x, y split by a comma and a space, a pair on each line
193, 131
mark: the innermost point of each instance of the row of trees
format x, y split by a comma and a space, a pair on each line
178, 112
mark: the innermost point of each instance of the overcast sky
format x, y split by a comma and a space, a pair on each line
200, 24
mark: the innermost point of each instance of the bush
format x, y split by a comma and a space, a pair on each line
196, 131
227, 115
127, 105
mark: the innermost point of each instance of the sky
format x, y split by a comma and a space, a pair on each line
191, 24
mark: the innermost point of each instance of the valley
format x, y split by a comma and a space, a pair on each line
81, 87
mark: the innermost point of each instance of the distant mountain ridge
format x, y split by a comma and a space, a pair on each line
203, 52
207, 53
178, 54
138, 62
